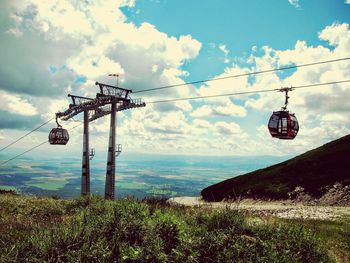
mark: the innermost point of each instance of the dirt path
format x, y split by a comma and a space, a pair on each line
275, 208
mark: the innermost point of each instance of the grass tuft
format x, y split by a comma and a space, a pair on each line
94, 230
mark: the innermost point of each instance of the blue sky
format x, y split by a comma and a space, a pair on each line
239, 25
60, 47
275, 23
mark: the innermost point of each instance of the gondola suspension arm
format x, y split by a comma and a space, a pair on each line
286, 90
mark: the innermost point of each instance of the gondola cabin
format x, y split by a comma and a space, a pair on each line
58, 136
283, 125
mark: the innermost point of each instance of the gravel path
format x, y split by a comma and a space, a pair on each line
275, 208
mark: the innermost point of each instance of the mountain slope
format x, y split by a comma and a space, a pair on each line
313, 170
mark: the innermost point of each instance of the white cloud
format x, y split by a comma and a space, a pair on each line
227, 128
322, 112
94, 66
92, 46
224, 49
52, 51
231, 110
228, 109
169, 123
335, 118
337, 35
198, 123
228, 85
294, 3
347, 2
222, 106
16, 104
202, 111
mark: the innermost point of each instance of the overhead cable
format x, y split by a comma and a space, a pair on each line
246, 92
25, 135
245, 74
203, 81
9, 160
37, 146
202, 97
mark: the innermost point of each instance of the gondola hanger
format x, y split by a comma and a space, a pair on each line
283, 124
58, 136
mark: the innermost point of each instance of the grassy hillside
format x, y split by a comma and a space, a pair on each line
93, 230
313, 170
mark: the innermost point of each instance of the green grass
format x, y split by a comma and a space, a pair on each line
334, 235
94, 230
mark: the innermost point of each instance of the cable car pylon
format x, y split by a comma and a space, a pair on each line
85, 176
110, 173
109, 100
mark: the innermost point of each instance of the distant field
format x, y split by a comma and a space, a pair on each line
47, 183
8, 188
139, 176
161, 192
131, 185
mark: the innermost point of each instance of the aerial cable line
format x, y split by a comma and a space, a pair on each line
31, 149
25, 135
245, 74
9, 160
246, 92
321, 84
201, 97
203, 81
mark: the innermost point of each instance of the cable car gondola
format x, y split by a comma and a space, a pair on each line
283, 124
58, 136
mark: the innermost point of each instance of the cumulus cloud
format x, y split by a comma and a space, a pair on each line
337, 35
17, 121
202, 111
199, 123
229, 109
47, 57
322, 111
92, 46
294, 3
224, 49
16, 104
227, 128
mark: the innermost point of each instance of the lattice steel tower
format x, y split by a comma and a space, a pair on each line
109, 100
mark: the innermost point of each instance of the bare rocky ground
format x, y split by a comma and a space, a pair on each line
332, 205
282, 209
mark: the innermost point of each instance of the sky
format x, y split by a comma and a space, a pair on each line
52, 48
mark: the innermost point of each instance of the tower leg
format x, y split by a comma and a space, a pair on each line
110, 174
85, 179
